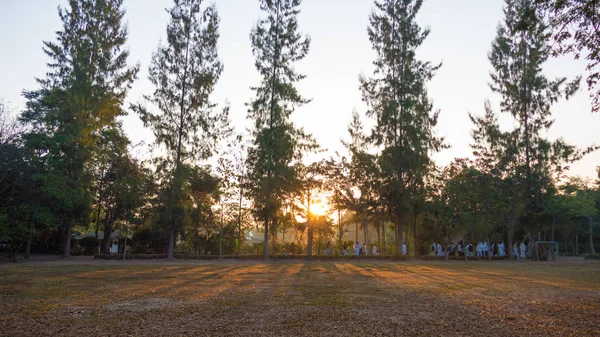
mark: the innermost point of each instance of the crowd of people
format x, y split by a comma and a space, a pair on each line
483, 249
360, 249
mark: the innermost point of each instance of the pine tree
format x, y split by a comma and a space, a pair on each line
83, 92
576, 30
518, 54
184, 73
398, 101
276, 45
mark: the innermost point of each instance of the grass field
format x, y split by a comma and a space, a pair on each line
152, 298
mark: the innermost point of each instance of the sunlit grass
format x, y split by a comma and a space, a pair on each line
554, 295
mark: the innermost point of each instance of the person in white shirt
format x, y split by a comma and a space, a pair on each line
404, 250
479, 249
523, 251
469, 249
486, 249
460, 249
440, 251
502, 249
375, 251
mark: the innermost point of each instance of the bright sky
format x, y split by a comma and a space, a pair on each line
461, 36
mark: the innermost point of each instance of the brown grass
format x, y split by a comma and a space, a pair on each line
156, 298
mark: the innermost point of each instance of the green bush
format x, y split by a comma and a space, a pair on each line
90, 242
592, 257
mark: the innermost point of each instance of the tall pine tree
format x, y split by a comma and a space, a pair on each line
518, 54
83, 92
184, 73
397, 98
276, 45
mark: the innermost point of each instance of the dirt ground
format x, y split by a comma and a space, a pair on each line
155, 298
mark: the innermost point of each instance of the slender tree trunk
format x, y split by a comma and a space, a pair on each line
309, 225
28, 249
576, 242
125, 244
383, 229
378, 236
100, 195
171, 242
266, 240
414, 227
239, 247
67, 252
221, 232
399, 240
592, 250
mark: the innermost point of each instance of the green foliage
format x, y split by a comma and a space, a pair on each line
398, 101
90, 242
276, 45
184, 73
523, 155
83, 92
575, 31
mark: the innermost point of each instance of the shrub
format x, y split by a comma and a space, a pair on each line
90, 242
592, 257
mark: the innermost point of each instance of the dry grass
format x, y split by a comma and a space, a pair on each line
288, 299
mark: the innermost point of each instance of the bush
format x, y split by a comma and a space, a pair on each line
90, 242
592, 257
130, 256
77, 251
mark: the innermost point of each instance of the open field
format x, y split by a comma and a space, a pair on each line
150, 298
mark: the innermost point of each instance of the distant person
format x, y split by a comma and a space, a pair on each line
328, 249
360, 248
345, 251
356, 249
433, 249
440, 251
404, 249
515, 251
479, 249
469, 249
460, 249
375, 251
501, 249
523, 251
451, 249
486, 249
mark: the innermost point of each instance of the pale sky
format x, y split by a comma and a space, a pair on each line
461, 35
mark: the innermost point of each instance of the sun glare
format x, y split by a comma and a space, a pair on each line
318, 209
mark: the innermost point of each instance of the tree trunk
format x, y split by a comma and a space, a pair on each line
266, 240
239, 247
399, 239
414, 227
383, 243
592, 250
67, 252
310, 240
171, 242
576, 243
509, 246
28, 248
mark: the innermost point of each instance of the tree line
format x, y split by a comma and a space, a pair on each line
67, 164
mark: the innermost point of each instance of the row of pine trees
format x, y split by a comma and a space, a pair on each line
67, 163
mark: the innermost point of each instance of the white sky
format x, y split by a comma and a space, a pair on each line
461, 35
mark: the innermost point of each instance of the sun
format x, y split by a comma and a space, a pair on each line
318, 209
